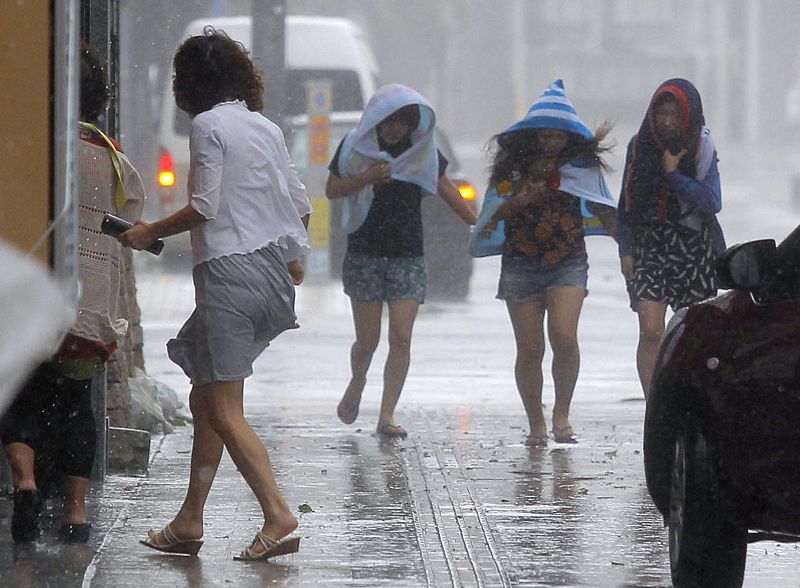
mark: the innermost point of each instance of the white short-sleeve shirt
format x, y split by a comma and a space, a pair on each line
243, 182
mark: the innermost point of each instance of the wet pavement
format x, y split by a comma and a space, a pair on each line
461, 502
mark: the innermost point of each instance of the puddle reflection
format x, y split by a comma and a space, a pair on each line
41, 564
377, 511
547, 492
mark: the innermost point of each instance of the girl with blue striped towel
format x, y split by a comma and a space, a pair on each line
547, 186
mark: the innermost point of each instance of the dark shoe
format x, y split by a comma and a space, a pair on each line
25, 520
74, 533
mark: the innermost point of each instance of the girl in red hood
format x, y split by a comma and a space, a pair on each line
669, 236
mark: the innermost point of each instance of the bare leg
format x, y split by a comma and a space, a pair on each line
75, 491
224, 401
651, 327
20, 457
402, 314
367, 322
527, 319
206, 454
563, 310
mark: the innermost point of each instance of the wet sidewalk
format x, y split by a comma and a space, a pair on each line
460, 502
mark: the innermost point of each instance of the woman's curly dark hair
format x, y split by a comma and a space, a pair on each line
211, 68
94, 91
512, 153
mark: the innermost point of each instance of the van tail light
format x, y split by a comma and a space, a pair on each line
166, 169
467, 191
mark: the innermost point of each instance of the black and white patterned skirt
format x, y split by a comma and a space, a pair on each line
672, 265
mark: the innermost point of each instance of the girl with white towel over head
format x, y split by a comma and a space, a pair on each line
382, 169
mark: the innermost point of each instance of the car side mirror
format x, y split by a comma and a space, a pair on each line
747, 266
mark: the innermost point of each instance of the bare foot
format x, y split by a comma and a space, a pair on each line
537, 428
562, 430
349, 404
391, 431
564, 434
536, 440
347, 412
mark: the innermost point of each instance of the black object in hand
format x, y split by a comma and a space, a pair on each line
115, 226
674, 145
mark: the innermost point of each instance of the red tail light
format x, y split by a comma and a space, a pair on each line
166, 169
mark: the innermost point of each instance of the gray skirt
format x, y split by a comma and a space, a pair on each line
243, 301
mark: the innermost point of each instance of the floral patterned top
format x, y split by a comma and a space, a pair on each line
549, 231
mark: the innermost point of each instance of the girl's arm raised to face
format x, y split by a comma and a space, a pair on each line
337, 187
450, 194
706, 195
527, 193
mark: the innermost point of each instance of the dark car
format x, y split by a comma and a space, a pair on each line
722, 426
446, 237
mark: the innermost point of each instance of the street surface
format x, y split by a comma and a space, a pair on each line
461, 502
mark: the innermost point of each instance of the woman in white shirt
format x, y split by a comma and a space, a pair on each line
247, 218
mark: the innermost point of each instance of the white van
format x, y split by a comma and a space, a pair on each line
333, 49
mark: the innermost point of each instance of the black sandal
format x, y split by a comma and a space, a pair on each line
74, 532
25, 520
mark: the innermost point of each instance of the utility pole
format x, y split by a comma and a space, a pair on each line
100, 29
519, 58
753, 79
269, 41
721, 68
99, 23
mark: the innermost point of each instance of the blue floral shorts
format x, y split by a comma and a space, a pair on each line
375, 279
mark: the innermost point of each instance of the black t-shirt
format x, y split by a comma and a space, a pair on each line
393, 227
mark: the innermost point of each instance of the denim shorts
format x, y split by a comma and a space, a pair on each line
526, 279
375, 279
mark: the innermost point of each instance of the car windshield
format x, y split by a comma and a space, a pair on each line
344, 89
297, 141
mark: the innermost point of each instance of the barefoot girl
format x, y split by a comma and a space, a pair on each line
542, 167
382, 169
